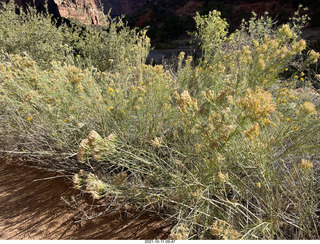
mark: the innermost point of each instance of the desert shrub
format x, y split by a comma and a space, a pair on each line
227, 148
107, 46
33, 33
37, 35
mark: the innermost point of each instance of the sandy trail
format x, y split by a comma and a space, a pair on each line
32, 207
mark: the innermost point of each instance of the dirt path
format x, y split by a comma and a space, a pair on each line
32, 207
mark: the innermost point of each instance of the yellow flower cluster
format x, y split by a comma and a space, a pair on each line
300, 46
305, 164
110, 90
22, 62
257, 103
313, 56
268, 122
253, 132
285, 31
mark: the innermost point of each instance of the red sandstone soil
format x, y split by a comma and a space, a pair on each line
32, 207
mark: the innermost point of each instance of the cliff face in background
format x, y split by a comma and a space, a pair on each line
85, 11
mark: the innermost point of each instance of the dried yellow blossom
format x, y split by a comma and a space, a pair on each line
300, 46
28, 96
96, 187
198, 147
74, 74
222, 177
120, 178
79, 180
82, 150
309, 108
223, 230
305, 164
93, 137
313, 56
98, 151
224, 93
80, 87
253, 132
185, 101
257, 104
286, 31
181, 56
156, 142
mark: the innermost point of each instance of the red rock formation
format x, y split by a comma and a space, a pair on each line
85, 11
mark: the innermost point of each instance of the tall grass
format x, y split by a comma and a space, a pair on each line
228, 148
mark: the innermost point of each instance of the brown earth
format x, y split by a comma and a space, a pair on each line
39, 204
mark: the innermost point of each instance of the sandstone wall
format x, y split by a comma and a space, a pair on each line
85, 11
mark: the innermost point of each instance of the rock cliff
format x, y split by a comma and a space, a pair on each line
85, 11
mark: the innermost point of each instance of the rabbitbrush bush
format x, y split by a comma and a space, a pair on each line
227, 148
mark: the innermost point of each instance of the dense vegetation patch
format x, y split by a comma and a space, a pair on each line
227, 146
